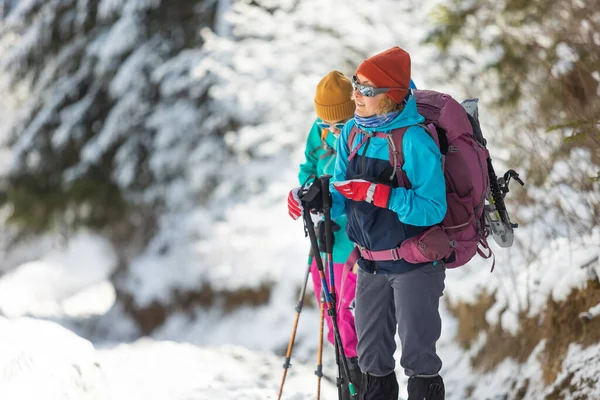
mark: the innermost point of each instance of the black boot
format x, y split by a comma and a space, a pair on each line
378, 387
426, 388
355, 376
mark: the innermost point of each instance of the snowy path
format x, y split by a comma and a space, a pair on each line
41, 360
167, 370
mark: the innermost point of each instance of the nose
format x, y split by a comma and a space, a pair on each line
356, 94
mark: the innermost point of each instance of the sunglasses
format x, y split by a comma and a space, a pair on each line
325, 125
370, 91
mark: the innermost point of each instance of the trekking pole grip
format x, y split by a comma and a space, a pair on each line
327, 212
325, 191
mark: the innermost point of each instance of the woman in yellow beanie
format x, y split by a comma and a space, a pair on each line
334, 106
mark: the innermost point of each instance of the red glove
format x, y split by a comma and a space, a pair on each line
361, 190
295, 208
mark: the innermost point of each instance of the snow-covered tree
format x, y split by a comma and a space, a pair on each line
537, 62
104, 112
107, 114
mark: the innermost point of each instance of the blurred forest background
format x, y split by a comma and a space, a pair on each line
147, 122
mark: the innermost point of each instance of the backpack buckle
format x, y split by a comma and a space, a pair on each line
395, 254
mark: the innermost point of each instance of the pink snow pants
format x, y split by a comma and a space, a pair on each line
344, 315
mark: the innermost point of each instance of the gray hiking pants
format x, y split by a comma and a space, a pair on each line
410, 301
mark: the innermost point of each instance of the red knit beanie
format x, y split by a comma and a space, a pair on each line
389, 69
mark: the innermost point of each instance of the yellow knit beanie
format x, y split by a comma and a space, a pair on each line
333, 99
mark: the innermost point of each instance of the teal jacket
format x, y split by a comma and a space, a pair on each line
320, 159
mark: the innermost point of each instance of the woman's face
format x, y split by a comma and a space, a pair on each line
366, 106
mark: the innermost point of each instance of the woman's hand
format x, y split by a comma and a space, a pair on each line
361, 190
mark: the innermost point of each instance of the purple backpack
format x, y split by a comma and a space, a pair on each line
464, 159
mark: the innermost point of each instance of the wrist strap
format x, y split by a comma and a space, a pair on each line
370, 193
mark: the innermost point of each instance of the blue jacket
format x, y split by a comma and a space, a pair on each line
410, 211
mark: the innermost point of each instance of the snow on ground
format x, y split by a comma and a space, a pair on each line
155, 370
562, 266
42, 360
67, 280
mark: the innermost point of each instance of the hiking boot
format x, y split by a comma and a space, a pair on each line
355, 376
426, 388
378, 387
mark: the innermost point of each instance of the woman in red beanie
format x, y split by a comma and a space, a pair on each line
391, 293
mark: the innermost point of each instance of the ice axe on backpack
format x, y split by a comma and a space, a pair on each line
496, 216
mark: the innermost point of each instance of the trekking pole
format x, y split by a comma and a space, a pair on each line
309, 227
319, 371
340, 379
333, 311
288, 355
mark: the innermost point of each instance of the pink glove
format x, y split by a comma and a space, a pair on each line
361, 190
295, 208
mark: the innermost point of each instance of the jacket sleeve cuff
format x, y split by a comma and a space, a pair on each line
381, 196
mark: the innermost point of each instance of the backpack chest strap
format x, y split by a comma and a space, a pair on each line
395, 155
366, 136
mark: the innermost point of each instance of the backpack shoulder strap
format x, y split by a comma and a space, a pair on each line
396, 155
351, 136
